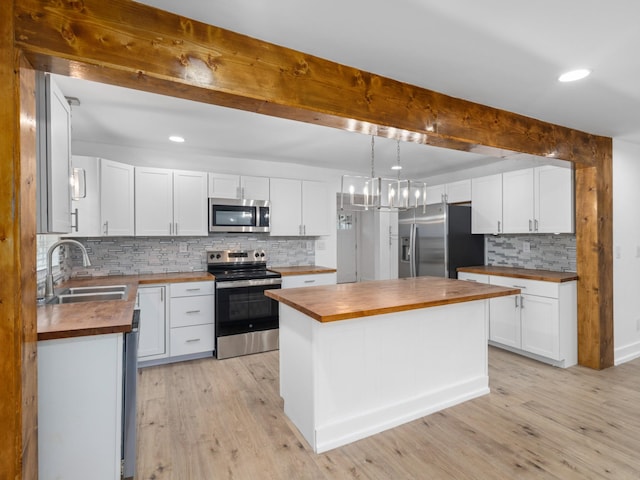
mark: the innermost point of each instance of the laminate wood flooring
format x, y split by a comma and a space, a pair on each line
210, 419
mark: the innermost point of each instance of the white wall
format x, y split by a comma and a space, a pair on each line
325, 247
626, 255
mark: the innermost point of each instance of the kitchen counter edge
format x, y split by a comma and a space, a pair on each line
302, 270
99, 318
526, 273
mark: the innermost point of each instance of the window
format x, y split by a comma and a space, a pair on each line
43, 242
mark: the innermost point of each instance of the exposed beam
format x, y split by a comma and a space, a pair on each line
133, 45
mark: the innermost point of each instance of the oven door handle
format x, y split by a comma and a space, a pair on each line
249, 283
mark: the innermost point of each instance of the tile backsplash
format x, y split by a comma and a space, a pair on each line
546, 252
142, 255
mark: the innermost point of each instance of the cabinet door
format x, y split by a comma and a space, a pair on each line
254, 188
190, 203
458, 192
54, 130
152, 333
554, 207
504, 320
540, 326
486, 204
315, 208
86, 209
116, 198
517, 201
154, 201
435, 194
224, 186
286, 208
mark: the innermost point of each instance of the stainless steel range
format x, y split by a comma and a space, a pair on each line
246, 320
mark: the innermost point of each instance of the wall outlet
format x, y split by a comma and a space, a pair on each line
309, 245
638, 325
526, 247
618, 251
183, 247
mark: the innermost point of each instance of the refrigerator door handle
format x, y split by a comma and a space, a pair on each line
412, 249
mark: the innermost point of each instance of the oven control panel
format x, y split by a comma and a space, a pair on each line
235, 256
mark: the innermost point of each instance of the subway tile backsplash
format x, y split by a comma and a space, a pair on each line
143, 255
546, 252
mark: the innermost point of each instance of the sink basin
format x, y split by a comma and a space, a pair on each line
94, 289
89, 294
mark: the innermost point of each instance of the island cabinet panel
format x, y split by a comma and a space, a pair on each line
338, 386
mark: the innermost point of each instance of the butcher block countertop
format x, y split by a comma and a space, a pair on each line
97, 318
328, 303
302, 270
530, 274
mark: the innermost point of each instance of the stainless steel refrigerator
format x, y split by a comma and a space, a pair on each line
437, 241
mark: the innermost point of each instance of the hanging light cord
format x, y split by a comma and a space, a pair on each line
398, 159
373, 173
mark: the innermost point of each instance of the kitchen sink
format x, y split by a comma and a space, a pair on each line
94, 289
88, 294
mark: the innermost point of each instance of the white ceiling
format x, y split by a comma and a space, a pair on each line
503, 53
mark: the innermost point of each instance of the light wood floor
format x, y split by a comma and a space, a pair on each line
210, 419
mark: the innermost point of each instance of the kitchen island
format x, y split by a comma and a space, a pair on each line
357, 359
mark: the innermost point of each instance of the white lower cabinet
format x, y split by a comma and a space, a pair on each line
541, 322
176, 320
80, 407
192, 318
310, 280
152, 338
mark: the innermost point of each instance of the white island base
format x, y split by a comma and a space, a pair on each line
345, 380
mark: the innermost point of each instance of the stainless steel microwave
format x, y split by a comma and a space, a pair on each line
231, 215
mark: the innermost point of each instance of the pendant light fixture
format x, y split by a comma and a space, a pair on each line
362, 193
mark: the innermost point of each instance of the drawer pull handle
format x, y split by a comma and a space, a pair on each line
193, 311
469, 280
519, 286
191, 340
193, 289
309, 281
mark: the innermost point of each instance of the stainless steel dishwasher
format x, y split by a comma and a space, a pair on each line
130, 382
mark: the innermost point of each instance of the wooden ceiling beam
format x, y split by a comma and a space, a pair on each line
130, 44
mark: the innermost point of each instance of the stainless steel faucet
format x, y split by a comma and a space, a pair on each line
48, 291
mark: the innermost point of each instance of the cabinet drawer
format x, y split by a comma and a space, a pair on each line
187, 289
187, 311
473, 277
313, 280
186, 340
530, 287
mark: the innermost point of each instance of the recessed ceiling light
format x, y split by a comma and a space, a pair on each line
176, 138
396, 167
574, 75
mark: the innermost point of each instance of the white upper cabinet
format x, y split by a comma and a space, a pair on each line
299, 208
458, 192
170, 202
116, 198
255, 188
154, 201
54, 158
190, 203
455, 192
554, 203
85, 206
538, 200
236, 186
435, 193
315, 209
517, 201
486, 201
